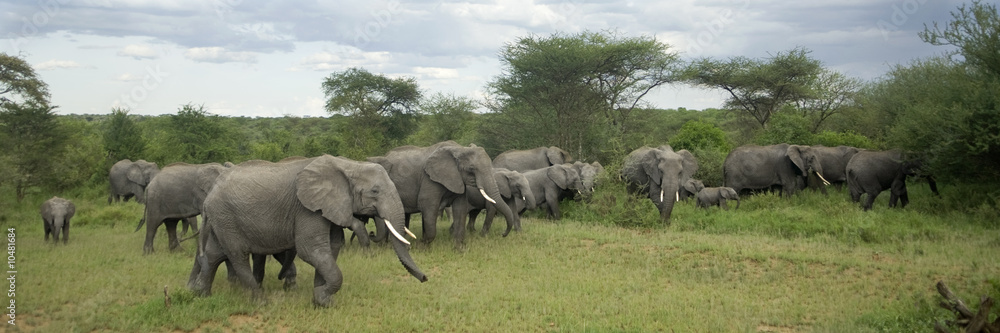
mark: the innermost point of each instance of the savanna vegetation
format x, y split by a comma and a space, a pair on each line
803, 263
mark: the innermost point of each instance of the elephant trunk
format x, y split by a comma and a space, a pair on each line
57, 226
529, 198
394, 225
667, 197
737, 203
488, 187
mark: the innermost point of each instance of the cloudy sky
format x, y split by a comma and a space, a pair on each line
268, 58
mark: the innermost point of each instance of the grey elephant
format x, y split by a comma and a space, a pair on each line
515, 191
532, 159
831, 165
176, 194
871, 172
766, 167
548, 185
717, 196
658, 173
431, 178
56, 214
267, 208
129, 179
589, 173
690, 188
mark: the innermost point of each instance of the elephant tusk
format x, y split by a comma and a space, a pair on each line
487, 197
677, 196
661, 195
825, 182
396, 233
409, 233
523, 198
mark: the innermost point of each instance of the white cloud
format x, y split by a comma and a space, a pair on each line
59, 64
219, 55
436, 72
138, 52
342, 59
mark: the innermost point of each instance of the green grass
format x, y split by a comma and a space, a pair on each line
805, 263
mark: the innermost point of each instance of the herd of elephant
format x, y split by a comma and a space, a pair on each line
300, 206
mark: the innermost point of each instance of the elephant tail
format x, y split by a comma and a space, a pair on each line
145, 211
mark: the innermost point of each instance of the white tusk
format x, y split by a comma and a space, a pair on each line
823, 179
409, 233
396, 233
677, 196
523, 198
487, 197
661, 195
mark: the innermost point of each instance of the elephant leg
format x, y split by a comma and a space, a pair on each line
206, 265
48, 230
151, 225
288, 272
459, 211
473, 215
259, 261
358, 230
315, 248
869, 201
722, 204
491, 212
552, 199
174, 242
238, 260
855, 194
65, 231
429, 219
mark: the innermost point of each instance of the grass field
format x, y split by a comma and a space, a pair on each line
805, 263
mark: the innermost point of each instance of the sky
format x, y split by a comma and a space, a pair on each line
269, 58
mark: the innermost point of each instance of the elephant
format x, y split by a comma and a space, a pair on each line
690, 188
129, 179
549, 183
832, 164
267, 208
515, 191
659, 173
175, 194
588, 178
532, 159
56, 213
871, 172
717, 196
431, 178
765, 167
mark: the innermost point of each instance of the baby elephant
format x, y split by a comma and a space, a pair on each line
717, 196
56, 213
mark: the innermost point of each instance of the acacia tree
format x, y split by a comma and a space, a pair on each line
381, 109
195, 136
759, 88
575, 91
975, 31
122, 138
446, 117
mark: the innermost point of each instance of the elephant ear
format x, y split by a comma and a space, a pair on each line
651, 165
134, 175
503, 180
442, 167
689, 163
559, 175
691, 185
323, 186
730, 194
207, 175
794, 153
555, 155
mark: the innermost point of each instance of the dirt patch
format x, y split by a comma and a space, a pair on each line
240, 323
778, 329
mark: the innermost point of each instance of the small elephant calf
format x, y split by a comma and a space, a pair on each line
717, 196
56, 213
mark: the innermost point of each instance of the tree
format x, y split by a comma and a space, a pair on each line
446, 117
575, 91
832, 93
19, 84
975, 31
199, 137
33, 138
759, 88
382, 110
122, 138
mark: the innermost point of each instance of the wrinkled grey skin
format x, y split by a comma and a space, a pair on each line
532, 159
761, 167
658, 173
717, 196
175, 194
871, 172
431, 178
56, 213
267, 208
832, 164
690, 188
516, 192
129, 179
288, 272
549, 183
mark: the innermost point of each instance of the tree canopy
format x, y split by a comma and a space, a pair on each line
382, 109
19, 83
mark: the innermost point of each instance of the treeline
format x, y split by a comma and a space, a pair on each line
583, 92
